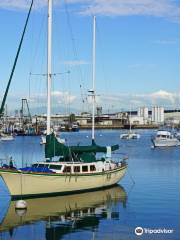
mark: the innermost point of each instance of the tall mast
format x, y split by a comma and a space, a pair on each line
49, 66
93, 76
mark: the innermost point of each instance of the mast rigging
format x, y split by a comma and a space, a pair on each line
15, 62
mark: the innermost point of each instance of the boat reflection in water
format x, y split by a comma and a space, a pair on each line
65, 214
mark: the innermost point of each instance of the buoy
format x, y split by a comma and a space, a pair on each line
21, 204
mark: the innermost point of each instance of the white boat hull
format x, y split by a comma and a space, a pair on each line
165, 138
33, 184
166, 143
129, 136
7, 138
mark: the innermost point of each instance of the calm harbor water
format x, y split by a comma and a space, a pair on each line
147, 197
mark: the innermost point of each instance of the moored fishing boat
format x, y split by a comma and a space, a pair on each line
75, 127
165, 138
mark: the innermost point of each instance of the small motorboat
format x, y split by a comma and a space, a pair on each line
165, 138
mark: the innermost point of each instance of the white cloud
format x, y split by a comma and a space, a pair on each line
161, 94
165, 96
168, 100
57, 93
97, 100
20, 4
65, 97
161, 98
160, 8
24, 4
157, 8
135, 102
41, 98
57, 97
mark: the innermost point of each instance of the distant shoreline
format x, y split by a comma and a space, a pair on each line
119, 127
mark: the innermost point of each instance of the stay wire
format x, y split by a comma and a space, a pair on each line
35, 52
83, 96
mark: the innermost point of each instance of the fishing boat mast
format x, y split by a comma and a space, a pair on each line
49, 66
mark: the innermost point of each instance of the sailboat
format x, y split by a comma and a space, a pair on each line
77, 169
130, 134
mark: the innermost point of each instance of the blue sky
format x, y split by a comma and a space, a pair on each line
138, 53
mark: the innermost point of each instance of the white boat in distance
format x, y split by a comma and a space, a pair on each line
6, 137
177, 134
78, 169
130, 135
165, 138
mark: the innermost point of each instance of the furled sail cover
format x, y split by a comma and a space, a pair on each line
54, 148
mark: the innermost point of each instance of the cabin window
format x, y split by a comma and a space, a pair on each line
35, 165
85, 168
92, 210
76, 168
92, 168
67, 169
42, 165
55, 167
85, 210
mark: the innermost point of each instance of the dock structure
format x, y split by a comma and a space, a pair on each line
63, 122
